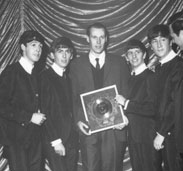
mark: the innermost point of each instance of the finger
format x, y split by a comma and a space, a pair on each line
156, 147
162, 146
59, 152
64, 153
85, 126
86, 133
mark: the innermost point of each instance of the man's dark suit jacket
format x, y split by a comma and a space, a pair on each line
116, 72
18, 101
55, 95
141, 108
170, 91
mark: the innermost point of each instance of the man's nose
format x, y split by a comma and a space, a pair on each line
98, 41
134, 55
159, 44
38, 49
64, 55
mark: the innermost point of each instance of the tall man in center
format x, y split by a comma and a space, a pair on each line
102, 151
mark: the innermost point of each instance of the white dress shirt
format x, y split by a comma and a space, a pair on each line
27, 66
136, 71
101, 58
139, 69
58, 69
168, 58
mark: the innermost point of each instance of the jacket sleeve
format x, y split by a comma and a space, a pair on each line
8, 108
46, 107
144, 105
77, 105
169, 104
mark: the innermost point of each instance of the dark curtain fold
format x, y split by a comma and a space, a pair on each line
125, 19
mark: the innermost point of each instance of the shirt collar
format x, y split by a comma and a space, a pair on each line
101, 57
58, 69
168, 58
139, 69
27, 66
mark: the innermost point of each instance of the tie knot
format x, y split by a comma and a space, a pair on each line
157, 65
180, 54
97, 63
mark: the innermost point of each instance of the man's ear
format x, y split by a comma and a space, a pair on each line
87, 39
106, 39
150, 45
22, 47
144, 56
171, 42
52, 56
126, 58
71, 57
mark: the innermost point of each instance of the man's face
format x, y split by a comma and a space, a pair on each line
161, 46
32, 51
97, 40
177, 39
135, 56
62, 57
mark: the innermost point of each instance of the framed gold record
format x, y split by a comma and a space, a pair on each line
101, 110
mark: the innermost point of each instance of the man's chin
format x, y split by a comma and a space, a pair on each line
36, 59
99, 51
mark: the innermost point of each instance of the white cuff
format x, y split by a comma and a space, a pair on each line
55, 142
160, 135
126, 104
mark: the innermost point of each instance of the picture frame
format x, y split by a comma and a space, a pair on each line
101, 110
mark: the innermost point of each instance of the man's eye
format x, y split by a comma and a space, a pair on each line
60, 51
129, 53
94, 37
138, 51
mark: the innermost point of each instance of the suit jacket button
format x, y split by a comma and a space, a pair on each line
169, 133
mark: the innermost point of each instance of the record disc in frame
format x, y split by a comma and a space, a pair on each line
101, 110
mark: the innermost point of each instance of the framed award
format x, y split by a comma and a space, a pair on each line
101, 110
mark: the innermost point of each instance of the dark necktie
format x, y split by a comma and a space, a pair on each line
133, 73
97, 63
180, 54
157, 66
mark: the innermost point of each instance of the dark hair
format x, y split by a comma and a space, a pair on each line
174, 17
134, 43
177, 26
29, 36
61, 42
158, 30
96, 25
99, 26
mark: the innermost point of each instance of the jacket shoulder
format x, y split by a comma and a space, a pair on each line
11, 70
79, 59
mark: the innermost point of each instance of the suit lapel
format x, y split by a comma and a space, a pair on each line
107, 67
87, 69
